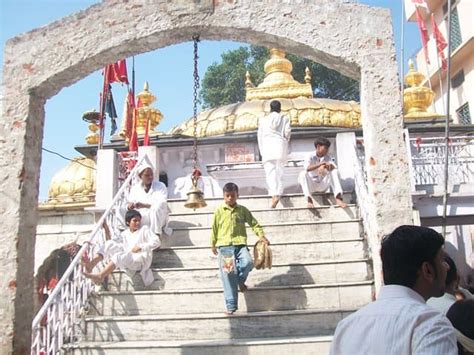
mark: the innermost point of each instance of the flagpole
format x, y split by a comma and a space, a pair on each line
102, 108
402, 64
446, 137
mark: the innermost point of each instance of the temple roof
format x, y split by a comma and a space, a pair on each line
296, 98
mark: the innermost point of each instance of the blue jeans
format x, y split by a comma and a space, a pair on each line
235, 263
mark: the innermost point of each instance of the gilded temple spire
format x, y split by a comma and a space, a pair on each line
248, 80
307, 76
417, 98
278, 81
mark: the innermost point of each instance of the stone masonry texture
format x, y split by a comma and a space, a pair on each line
354, 39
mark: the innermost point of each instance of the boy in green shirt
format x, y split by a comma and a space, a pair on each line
229, 242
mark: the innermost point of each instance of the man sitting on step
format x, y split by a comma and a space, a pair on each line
320, 173
130, 251
400, 321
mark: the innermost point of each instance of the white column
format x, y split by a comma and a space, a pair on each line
106, 180
345, 165
153, 155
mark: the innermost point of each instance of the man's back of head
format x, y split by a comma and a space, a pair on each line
399, 321
413, 257
275, 106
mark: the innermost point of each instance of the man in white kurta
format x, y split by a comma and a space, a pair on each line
149, 197
320, 173
119, 251
130, 251
273, 136
399, 321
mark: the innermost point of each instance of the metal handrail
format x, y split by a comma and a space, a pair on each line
56, 321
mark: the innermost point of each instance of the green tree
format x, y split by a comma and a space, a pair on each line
224, 83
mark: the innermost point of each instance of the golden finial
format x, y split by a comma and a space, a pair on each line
278, 81
147, 114
307, 76
248, 81
417, 98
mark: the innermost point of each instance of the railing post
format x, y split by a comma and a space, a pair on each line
345, 166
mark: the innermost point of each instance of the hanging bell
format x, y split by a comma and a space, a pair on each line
195, 198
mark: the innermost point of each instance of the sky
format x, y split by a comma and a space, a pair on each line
167, 70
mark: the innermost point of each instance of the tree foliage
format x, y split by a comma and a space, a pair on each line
224, 83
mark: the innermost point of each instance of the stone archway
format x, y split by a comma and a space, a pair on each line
354, 39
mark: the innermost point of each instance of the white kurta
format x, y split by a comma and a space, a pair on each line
398, 322
273, 136
119, 251
157, 215
313, 181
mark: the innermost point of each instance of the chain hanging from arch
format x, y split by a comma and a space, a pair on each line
195, 101
195, 196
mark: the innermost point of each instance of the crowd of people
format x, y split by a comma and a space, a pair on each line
420, 309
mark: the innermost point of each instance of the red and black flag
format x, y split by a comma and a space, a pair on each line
110, 110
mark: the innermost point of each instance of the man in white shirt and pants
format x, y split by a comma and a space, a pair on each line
400, 321
320, 172
273, 136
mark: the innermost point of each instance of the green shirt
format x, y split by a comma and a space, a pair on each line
228, 226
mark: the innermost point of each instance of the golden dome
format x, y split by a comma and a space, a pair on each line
417, 98
296, 101
74, 184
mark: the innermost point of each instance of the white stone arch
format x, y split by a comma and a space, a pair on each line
354, 39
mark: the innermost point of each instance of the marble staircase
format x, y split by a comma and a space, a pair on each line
320, 274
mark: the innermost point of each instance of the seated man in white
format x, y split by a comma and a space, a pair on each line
320, 173
149, 197
130, 251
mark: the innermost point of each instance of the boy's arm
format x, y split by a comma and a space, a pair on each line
214, 232
152, 240
253, 223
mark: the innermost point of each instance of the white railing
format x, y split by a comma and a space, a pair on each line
428, 160
58, 320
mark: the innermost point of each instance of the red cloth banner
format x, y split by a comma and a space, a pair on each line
424, 34
441, 43
117, 72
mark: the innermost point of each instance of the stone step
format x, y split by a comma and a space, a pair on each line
260, 201
256, 346
330, 271
285, 253
276, 232
268, 215
213, 326
322, 297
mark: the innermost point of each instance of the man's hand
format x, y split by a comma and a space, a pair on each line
136, 249
214, 250
131, 206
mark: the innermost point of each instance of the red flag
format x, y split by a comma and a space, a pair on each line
424, 34
441, 43
117, 72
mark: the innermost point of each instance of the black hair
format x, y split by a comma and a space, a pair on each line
230, 187
131, 214
452, 273
461, 314
275, 106
405, 250
322, 141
